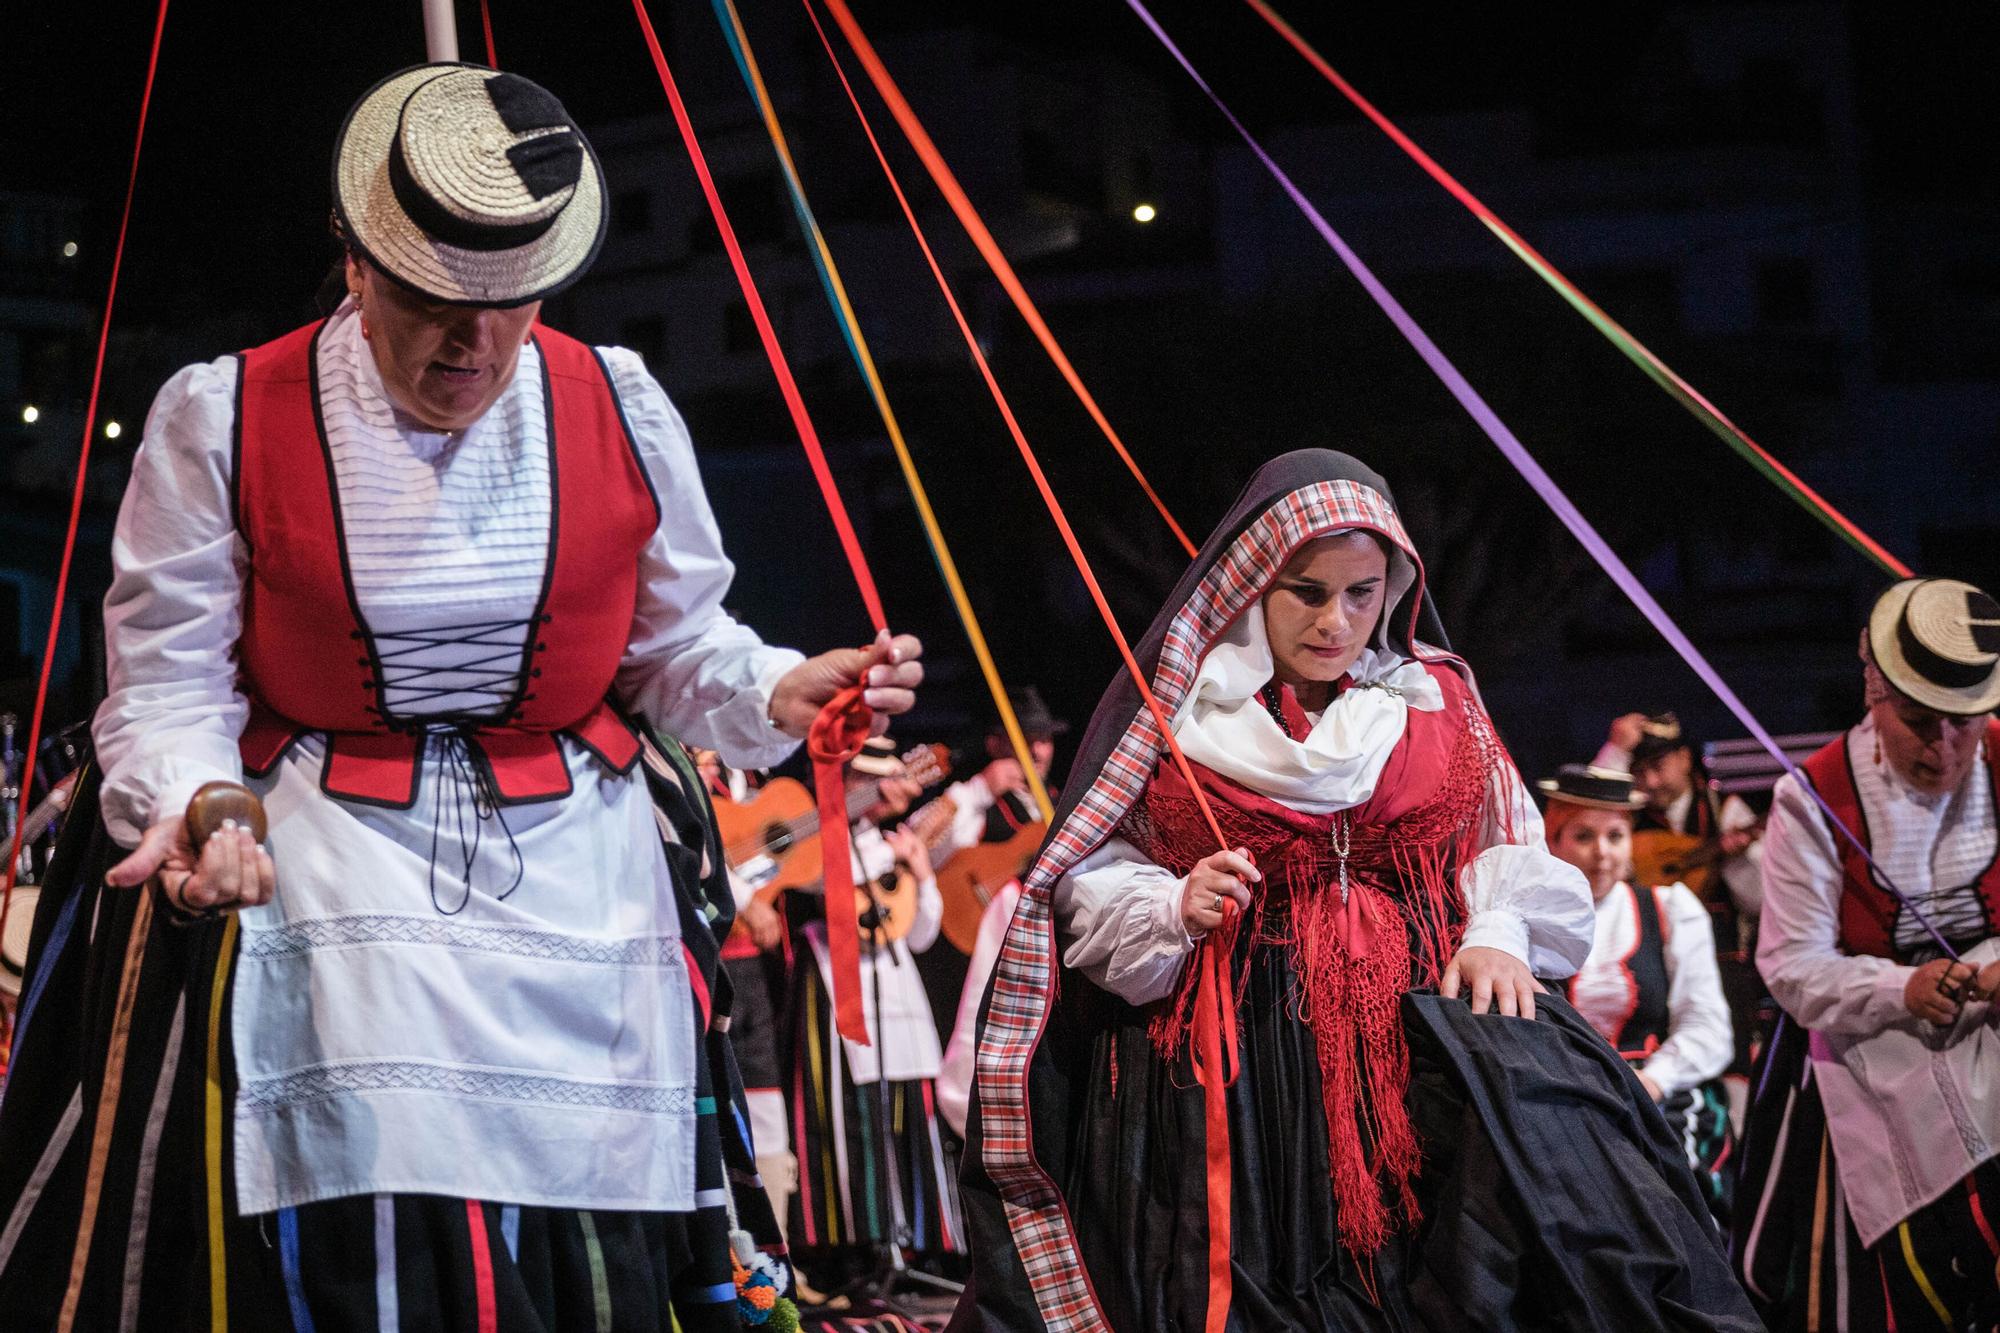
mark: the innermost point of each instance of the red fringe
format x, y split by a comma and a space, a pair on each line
1354, 960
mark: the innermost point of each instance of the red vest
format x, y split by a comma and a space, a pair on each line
1867, 912
308, 660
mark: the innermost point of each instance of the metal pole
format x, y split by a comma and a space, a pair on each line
440, 30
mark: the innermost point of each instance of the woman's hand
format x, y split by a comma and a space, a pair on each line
910, 850
1498, 980
889, 667
1938, 990
232, 871
1217, 880
1646, 1082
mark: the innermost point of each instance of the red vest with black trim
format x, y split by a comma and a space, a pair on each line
1867, 911
307, 658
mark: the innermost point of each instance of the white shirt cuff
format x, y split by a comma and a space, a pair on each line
1498, 928
1169, 926
745, 734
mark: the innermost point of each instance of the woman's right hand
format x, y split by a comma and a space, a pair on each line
1937, 991
1218, 885
232, 871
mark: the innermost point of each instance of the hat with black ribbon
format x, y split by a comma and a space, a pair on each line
1032, 712
877, 759
1589, 785
468, 186
1937, 641
1659, 734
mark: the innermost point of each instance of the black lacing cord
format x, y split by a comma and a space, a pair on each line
461, 772
496, 674
463, 781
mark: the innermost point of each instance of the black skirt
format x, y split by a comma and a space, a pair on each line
1553, 1195
117, 1181
1796, 1248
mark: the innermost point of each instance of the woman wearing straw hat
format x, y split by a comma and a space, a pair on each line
421, 575
1870, 1195
1650, 986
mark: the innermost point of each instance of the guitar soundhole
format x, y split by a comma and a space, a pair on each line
778, 839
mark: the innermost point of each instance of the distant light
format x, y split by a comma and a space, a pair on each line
31, 414
1144, 213
69, 250
112, 430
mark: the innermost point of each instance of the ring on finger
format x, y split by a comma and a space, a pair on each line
1216, 905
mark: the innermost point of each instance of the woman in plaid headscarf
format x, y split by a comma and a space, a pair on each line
1283, 1083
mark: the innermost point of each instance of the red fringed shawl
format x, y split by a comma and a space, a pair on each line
1396, 927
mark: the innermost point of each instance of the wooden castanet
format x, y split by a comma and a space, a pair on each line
968, 881
214, 803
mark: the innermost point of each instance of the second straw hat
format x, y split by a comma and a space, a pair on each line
1938, 642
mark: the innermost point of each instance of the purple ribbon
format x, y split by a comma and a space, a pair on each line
1544, 486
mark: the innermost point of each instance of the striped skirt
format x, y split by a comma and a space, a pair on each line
1797, 1252
1699, 1118
846, 1195
117, 1189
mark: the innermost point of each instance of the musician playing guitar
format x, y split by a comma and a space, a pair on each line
1008, 821
1726, 832
843, 1206
993, 804
1714, 844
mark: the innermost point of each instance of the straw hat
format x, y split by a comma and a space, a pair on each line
1589, 785
468, 186
877, 759
1938, 642
14, 946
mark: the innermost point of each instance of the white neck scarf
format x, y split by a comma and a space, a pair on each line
1224, 726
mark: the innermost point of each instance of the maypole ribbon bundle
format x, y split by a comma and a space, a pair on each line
1215, 1046
1539, 480
35, 717
989, 250
1620, 337
837, 736
857, 346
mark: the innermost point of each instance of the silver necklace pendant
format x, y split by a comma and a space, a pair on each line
1343, 838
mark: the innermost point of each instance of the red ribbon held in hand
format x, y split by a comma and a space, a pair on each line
836, 737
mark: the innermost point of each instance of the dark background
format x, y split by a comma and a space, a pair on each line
1868, 359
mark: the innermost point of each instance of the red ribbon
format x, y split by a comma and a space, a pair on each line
836, 737
37, 715
1215, 1026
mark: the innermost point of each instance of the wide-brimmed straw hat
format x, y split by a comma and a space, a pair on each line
14, 944
1597, 788
877, 759
468, 186
1937, 641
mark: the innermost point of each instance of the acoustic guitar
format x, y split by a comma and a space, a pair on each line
968, 881
1663, 857
886, 907
772, 839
